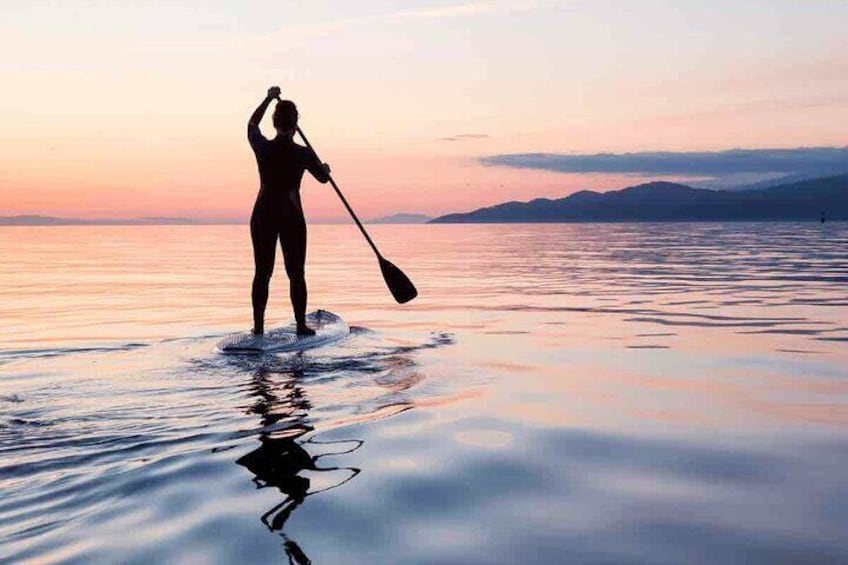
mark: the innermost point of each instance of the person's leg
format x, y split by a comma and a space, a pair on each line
264, 238
293, 242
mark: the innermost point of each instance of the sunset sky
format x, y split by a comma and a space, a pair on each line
132, 109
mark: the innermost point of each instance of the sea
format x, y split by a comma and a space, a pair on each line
659, 393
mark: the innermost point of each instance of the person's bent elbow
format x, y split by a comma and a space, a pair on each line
322, 175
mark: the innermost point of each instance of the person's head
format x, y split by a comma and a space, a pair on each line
285, 117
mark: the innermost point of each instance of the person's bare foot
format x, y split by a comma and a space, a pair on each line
304, 330
257, 331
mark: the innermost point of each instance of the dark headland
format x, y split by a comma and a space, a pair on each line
667, 201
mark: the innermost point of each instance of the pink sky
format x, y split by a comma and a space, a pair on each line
145, 116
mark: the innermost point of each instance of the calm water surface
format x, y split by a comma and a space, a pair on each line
599, 393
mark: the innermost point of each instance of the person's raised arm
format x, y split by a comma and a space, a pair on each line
256, 117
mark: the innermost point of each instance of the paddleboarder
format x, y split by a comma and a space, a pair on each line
278, 212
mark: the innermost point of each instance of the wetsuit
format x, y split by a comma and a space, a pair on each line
278, 214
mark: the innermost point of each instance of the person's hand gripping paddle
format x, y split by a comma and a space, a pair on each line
399, 284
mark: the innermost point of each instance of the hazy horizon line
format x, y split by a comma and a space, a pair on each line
49, 220
37, 219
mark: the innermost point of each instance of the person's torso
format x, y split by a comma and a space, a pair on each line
281, 165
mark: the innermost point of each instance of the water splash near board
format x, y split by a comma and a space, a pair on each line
328, 327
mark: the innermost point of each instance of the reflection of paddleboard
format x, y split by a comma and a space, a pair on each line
328, 329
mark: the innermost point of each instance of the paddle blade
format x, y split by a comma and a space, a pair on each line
399, 284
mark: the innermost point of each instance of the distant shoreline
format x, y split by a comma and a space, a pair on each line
812, 200
35, 220
657, 221
489, 223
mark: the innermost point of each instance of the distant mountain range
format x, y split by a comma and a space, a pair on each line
654, 201
35, 220
401, 219
667, 201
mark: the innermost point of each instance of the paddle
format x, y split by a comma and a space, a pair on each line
399, 284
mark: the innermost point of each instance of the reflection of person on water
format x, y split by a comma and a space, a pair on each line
280, 458
278, 213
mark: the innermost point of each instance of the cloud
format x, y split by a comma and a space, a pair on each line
295, 33
463, 10
468, 10
711, 164
464, 136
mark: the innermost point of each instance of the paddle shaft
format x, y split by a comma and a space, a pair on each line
341, 196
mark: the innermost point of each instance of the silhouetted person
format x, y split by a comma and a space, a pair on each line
278, 213
822, 217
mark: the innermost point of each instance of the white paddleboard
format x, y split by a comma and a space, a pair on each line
328, 328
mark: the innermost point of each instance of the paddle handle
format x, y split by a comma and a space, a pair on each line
343, 199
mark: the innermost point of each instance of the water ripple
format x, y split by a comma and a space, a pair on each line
617, 393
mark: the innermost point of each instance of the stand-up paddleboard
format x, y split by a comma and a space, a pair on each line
328, 328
